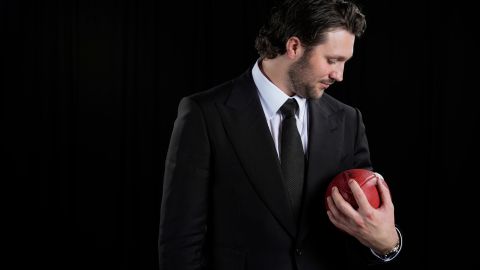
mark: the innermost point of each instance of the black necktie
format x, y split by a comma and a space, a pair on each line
291, 155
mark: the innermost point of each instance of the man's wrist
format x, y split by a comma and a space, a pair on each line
391, 254
391, 251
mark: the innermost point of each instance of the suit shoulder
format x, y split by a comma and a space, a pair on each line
222, 92
336, 105
212, 95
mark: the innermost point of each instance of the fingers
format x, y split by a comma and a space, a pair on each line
359, 195
343, 206
335, 216
337, 222
333, 209
379, 176
384, 192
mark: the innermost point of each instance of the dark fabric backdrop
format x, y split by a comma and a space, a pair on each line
90, 90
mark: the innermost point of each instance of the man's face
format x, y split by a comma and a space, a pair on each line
323, 65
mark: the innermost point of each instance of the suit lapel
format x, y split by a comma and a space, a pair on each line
323, 148
247, 128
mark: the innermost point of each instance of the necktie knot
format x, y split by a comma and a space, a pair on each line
289, 108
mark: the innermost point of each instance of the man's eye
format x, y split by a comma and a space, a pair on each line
332, 61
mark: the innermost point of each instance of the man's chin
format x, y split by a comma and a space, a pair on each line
316, 94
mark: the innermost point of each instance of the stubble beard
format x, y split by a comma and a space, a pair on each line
298, 82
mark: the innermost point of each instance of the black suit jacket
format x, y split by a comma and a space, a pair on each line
224, 205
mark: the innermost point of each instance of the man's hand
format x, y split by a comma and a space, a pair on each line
374, 228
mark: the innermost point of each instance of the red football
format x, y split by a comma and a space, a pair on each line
365, 178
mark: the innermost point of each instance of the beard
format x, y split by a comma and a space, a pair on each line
298, 76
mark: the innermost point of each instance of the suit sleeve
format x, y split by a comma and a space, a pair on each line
184, 208
361, 150
359, 254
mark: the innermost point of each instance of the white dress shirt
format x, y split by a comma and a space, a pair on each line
272, 98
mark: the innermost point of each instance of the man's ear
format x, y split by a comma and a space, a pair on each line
294, 48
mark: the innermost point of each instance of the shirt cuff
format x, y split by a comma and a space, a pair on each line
394, 254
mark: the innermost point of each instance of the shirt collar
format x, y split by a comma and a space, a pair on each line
271, 96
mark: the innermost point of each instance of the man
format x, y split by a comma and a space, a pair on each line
249, 160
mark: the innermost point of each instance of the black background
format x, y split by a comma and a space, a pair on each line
90, 90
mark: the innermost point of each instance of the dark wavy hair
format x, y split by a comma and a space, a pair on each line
308, 20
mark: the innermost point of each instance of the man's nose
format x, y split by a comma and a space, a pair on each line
337, 75
337, 72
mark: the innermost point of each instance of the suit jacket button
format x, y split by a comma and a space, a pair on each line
299, 251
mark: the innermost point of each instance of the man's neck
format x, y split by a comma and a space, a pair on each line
276, 70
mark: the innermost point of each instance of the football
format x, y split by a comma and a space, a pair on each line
366, 179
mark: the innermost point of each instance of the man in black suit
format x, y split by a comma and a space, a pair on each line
245, 190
